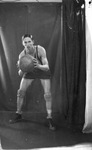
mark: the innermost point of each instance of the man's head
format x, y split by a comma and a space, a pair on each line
27, 40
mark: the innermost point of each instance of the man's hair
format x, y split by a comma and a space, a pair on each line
27, 35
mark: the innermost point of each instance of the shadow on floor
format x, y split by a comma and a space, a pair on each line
31, 134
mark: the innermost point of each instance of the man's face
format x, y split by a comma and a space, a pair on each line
28, 43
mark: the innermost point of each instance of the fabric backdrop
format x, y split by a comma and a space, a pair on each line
60, 29
73, 62
43, 21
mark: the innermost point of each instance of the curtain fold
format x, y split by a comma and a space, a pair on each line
73, 62
88, 108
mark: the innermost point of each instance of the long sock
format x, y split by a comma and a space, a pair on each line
19, 105
49, 112
48, 100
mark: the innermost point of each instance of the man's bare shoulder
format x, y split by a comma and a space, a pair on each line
41, 50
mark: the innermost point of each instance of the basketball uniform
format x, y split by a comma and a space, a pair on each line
37, 73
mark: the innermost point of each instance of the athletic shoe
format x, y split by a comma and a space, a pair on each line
51, 124
17, 118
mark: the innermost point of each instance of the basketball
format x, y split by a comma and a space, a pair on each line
26, 63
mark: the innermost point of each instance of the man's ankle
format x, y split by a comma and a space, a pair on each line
20, 113
49, 117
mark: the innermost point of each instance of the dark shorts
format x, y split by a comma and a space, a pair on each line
38, 74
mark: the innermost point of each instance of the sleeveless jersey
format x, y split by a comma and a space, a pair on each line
37, 73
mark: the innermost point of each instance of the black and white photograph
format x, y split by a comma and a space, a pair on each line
45, 75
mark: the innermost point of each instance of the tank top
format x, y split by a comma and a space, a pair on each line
37, 73
36, 55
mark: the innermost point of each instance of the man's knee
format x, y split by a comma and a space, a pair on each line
47, 96
21, 93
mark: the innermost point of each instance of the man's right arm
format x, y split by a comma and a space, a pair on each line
20, 72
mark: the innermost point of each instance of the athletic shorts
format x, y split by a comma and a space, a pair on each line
37, 74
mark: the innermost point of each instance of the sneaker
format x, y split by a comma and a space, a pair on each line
51, 124
17, 118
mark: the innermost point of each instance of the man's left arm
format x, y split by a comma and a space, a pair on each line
44, 66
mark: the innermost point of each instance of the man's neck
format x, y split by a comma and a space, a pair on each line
32, 51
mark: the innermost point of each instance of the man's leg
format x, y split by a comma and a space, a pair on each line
20, 98
48, 98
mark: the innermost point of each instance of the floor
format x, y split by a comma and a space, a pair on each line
32, 134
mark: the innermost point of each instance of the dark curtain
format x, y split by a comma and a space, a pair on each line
43, 21
73, 62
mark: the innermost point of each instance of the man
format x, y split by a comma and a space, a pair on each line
41, 71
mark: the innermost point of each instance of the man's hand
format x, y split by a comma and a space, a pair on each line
36, 63
43, 67
20, 72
